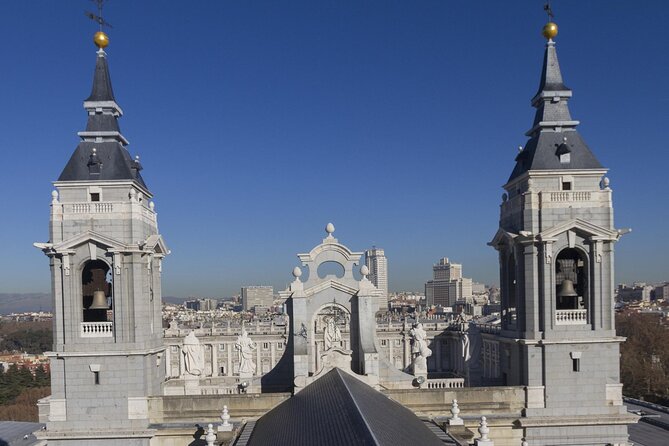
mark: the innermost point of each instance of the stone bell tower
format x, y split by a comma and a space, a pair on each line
105, 255
555, 244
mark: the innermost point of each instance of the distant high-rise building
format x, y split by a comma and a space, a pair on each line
447, 285
257, 296
201, 304
376, 261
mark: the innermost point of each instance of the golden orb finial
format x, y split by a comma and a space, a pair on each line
550, 30
101, 40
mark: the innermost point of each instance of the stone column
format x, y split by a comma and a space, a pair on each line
407, 351
272, 352
214, 359
390, 349
228, 348
182, 366
168, 362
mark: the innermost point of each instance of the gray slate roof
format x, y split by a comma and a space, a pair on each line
13, 433
339, 409
542, 150
113, 161
102, 87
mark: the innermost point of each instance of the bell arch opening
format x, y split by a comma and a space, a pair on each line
571, 287
96, 290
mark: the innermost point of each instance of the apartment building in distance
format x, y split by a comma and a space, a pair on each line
255, 298
447, 285
376, 261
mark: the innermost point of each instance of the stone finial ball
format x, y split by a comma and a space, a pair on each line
101, 40
550, 30
297, 272
54, 194
364, 270
329, 228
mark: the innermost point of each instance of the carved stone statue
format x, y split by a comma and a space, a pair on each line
419, 350
193, 355
245, 346
331, 333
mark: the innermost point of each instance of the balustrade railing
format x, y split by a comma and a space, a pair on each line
445, 383
92, 208
97, 329
569, 196
571, 317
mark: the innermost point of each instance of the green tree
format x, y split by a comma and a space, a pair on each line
644, 363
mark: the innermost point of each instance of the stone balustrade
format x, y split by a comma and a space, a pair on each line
445, 383
90, 208
97, 329
571, 317
106, 207
567, 196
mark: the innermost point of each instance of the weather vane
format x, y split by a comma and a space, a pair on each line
98, 17
549, 11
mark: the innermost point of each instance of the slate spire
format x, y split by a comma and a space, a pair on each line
102, 87
552, 97
102, 138
554, 141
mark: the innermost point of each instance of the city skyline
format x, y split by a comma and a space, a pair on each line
249, 112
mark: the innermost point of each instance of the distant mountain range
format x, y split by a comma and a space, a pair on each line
20, 303
26, 302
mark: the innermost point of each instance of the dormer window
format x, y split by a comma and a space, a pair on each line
564, 152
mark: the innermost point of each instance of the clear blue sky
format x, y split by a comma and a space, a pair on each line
257, 122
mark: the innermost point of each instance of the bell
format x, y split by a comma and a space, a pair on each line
99, 301
567, 289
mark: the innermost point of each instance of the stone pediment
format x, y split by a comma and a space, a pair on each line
89, 237
156, 243
330, 250
502, 237
582, 227
322, 286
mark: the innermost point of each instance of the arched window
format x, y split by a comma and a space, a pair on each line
96, 287
571, 280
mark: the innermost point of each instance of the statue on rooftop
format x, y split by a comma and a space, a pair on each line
419, 350
245, 346
193, 355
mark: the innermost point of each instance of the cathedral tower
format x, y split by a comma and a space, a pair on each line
105, 254
555, 244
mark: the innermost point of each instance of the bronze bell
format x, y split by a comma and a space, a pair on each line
567, 289
99, 301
